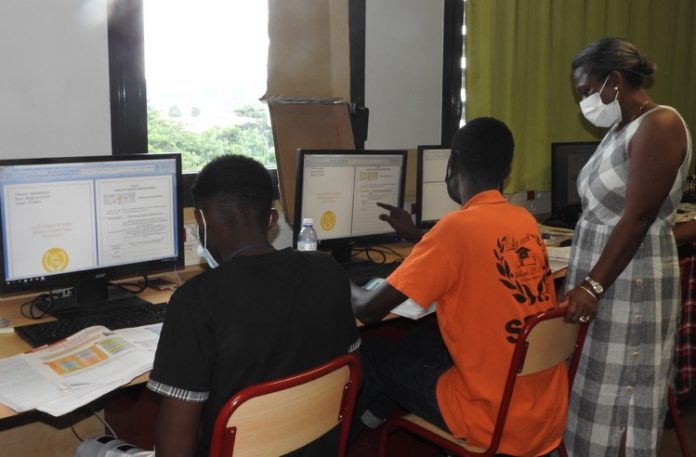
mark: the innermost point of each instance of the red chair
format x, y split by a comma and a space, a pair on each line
279, 416
545, 341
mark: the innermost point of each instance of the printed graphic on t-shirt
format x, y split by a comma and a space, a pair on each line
520, 270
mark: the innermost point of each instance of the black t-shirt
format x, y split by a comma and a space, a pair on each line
252, 319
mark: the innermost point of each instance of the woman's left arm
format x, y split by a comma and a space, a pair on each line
656, 152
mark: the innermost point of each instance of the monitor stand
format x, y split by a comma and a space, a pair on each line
342, 253
88, 296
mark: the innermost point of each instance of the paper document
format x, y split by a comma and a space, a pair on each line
558, 257
408, 308
61, 377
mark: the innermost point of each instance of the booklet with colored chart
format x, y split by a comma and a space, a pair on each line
63, 376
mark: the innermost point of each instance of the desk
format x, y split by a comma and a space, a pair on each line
37, 434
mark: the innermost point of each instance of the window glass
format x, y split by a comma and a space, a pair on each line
205, 69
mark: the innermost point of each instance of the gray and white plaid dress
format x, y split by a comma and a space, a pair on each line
626, 362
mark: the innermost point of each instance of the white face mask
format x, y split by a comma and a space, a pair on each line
202, 249
601, 115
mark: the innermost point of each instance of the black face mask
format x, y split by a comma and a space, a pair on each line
451, 179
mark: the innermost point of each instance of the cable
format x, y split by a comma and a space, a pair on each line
106, 424
370, 251
46, 299
140, 286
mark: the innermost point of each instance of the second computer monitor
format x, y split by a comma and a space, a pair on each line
432, 199
567, 159
339, 190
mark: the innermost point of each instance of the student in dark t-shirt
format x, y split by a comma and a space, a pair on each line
258, 315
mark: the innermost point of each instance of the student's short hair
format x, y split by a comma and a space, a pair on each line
603, 56
235, 180
483, 149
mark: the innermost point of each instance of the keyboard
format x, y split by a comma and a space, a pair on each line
361, 272
122, 314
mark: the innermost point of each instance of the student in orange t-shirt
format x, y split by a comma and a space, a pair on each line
486, 267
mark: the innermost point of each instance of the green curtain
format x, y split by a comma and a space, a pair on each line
518, 55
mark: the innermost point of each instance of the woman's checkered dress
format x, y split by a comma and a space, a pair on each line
626, 363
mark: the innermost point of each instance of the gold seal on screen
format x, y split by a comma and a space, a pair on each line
328, 220
55, 260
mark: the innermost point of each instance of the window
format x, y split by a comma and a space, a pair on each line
205, 68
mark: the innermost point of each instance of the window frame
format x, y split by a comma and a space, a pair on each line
452, 73
128, 89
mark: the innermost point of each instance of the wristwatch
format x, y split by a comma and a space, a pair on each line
597, 288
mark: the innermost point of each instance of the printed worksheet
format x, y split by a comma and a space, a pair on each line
136, 217
326, 203
61, 240
372, 185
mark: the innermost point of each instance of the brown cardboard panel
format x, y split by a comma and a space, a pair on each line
307, 124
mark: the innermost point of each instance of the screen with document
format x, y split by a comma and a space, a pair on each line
432, 199
68, 221
339, 190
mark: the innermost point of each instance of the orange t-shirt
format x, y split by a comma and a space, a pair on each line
486, 266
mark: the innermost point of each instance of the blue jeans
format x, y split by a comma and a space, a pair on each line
403, 371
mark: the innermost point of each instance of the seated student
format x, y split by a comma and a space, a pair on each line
258, 315
486, 266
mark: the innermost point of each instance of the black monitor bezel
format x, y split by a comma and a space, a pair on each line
76, 278
420, 223
559, 209
353, 241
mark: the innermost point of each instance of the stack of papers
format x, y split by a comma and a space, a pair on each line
408, 308
59, 378
558, 257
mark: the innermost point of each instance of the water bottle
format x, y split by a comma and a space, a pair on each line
307, 239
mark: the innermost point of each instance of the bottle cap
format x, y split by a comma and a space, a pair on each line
307, 221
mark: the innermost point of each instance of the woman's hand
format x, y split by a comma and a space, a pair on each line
581, 303
401, 221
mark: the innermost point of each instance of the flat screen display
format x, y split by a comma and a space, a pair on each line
340, 189
432, 199
69, 220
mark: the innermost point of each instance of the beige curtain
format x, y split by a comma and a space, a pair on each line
518, 67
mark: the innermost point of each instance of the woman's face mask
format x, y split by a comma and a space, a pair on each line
598, 113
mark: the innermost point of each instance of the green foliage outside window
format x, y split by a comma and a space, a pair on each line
252, 137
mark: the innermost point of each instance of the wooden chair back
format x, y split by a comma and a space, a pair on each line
279, 416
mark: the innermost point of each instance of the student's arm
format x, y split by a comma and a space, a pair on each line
656, 152
401, 221
176, 433
685, 232
372, 305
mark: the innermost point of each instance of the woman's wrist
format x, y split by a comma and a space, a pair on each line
588, 291
594, 286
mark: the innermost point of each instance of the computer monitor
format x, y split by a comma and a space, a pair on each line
567, 159
78, 222
432, 199
339, 189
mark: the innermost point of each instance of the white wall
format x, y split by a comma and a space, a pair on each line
403, 72
54, 82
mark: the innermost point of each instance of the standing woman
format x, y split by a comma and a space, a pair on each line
623, 275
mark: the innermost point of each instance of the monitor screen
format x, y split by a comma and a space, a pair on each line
432, 199
339, 189
69, 221
567, 159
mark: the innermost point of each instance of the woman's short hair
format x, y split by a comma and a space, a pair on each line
607, 54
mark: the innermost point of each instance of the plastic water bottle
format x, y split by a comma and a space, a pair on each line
307, 239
